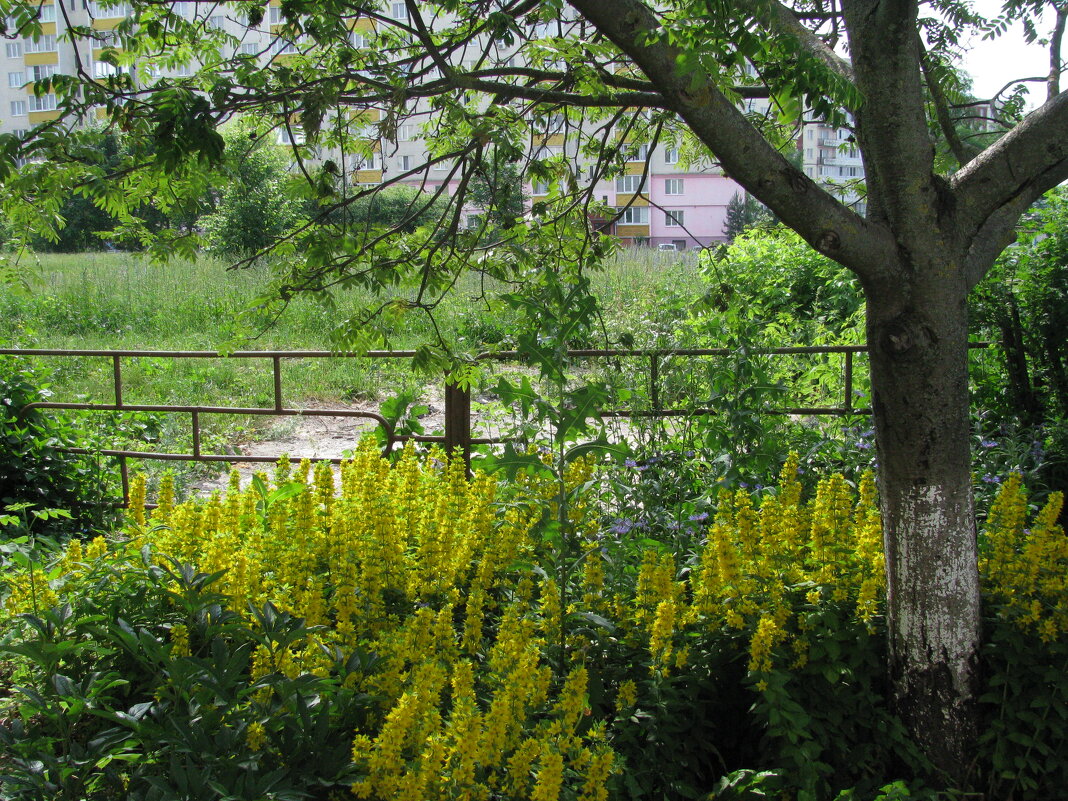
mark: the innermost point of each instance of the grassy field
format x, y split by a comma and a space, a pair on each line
120, 301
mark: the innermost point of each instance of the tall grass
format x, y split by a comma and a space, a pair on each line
100, 301
122, 301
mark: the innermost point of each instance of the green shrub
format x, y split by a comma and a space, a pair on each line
33, 467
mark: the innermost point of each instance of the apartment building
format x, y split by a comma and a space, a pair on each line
659, 201
830, 157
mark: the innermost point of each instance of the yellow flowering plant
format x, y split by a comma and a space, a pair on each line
404, 631
365, 637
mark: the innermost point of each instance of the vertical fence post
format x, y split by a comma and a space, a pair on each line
116, 372
277, 382
849, 381
458, 421
654, 381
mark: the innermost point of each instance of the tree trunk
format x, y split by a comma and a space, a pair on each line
919, 372
1012, 343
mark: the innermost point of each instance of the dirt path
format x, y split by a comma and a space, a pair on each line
319, 437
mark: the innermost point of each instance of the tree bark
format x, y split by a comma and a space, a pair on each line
919, 374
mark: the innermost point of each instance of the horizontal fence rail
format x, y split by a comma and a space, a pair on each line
458, 424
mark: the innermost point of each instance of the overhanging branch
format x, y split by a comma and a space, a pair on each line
824, 222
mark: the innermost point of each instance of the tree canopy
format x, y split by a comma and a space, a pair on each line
725, 82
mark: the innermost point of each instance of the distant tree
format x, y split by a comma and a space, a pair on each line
497, 189
399, 208
744, 212
253, 209
83, 219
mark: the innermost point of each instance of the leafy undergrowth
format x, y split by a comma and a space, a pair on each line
415, 634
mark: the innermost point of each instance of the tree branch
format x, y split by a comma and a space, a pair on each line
892, 122
960, 150
784, 20
1026, 162
825, 223
1053, 83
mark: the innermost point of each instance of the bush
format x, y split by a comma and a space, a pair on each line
288, 644
33, 468
413, 638
254, 208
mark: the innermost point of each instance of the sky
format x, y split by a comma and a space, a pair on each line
994, 63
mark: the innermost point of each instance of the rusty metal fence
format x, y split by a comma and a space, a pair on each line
458, 430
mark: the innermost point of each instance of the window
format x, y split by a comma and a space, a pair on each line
18, 108
671, 155
43, 103
183, 71
367, 162
680, 244
99, 11
357, 40
539, 188
14, 49
250, 48
16, 79
102, 69
20, 133
284, 47
474, 221
543, 30
441, 165
673, 186
639, 153
405, 163
554, 124
217, 21
629, 184
290, 136
274, 15
635, 215
47, 13
42, 44
547, 152
399, 11
404, 133
42, 71
673, 219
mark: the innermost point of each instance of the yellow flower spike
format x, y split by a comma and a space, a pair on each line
549, 595
255, 736
136, 509
282, 468
97, 548
572, 701
598, 770
165, 503
662, 633
626, 696
765, 638
550, 777
520, 766
302, 472
179, 640
324, 487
